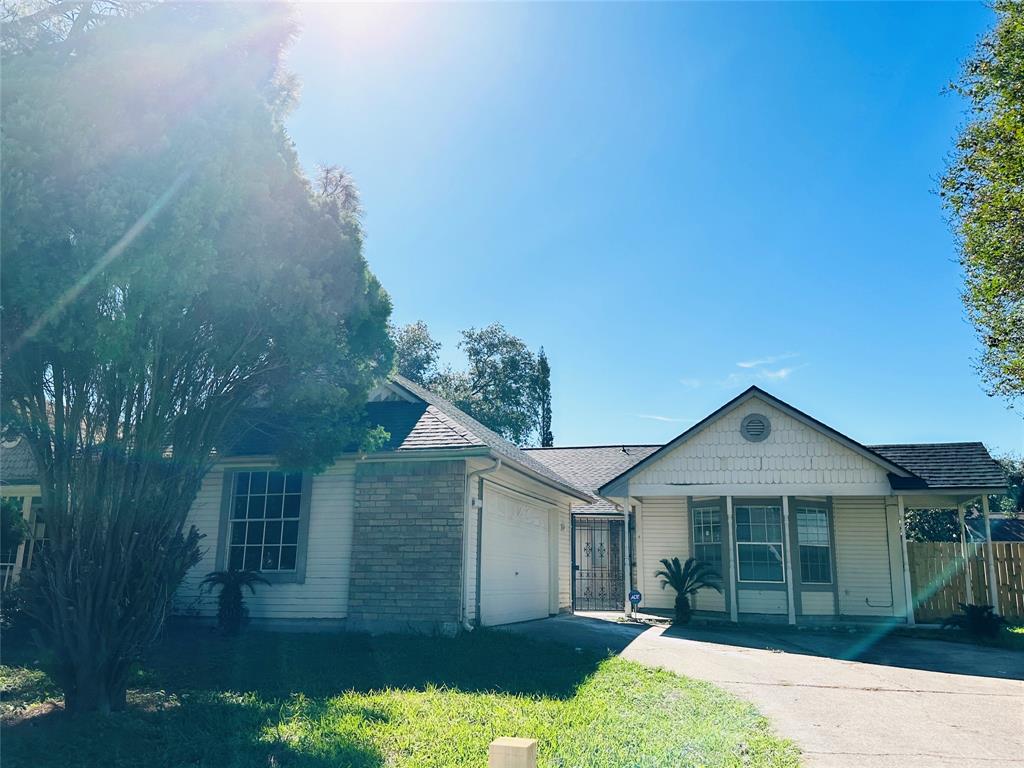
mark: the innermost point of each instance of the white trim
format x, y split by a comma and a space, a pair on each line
733, 607
965, 554
787, 558
906, 562
760, 490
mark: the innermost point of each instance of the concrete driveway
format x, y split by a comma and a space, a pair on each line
854, 700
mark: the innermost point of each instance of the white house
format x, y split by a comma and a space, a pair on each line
804, 523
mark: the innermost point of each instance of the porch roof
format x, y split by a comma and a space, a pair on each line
946, 466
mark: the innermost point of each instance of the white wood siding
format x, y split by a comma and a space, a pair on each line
863, 557
761, 601
564, 560
817, 604
665, 535
792, 455
324, 593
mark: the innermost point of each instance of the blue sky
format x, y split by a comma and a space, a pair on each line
676, 201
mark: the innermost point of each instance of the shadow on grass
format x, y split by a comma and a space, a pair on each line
882, 644
279, 665
195, 730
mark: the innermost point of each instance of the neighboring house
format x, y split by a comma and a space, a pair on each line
18, 482
803, 522
448, 525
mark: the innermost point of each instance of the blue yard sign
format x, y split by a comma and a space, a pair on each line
635, 597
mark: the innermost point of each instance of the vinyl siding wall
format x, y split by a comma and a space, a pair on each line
324, 593
792, 454
665, 535
864, 557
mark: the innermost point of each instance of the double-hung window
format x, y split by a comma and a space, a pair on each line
815, 546
707, 536
264, 518
759, 543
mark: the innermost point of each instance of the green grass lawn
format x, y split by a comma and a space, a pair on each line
270, 700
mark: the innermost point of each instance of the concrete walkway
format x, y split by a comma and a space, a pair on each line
904, 702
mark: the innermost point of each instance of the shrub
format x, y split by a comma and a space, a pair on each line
687, 580
976, 620
231, 610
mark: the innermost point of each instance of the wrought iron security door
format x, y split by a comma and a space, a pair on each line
598, 565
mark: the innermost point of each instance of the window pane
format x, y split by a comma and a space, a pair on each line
291, 533
235, 561
255, 534
291, 506
252, 558
239, 511
274, 506
742, 515
238, 533
242, 482
742, 532
287, 558
256, 504
293, 484
275, 482
815, 565
270, 555
258, 482
273, 534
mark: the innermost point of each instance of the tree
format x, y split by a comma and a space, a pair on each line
171, 280
543, 396
983, 190
415, 352
1011, 504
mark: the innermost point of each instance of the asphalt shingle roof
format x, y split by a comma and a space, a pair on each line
462, 430
590, 467
17, 464
946, 465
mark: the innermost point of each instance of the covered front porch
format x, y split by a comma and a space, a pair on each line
801, 558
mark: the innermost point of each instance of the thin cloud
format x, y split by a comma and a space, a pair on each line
769, 360
737, 378
657, 417
690, 383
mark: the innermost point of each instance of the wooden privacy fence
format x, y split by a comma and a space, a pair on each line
939, 580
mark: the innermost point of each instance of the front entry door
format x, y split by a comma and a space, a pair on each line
598, 565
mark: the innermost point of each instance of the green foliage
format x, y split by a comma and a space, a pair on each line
932, 525
687, 580
505, 386
231, 610
983, 191
13, 528
415, 352
171, 281
319, 701
547, 439
976, 620
1011, 504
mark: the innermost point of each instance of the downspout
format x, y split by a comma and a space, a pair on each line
476, 475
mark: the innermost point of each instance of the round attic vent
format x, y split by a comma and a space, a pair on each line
755, 427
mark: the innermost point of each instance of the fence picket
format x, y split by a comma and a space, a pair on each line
937, 577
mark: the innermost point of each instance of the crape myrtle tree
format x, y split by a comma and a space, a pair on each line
543, 395
170, 281
983, 190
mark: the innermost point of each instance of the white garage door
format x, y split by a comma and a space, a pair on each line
514, 567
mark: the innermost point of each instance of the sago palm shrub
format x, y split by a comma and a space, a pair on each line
231, 610
687, 580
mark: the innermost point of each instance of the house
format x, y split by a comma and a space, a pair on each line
449, 525
803, 522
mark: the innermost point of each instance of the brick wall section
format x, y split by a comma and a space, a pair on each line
407, 545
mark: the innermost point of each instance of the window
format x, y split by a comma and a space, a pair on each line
707, 536
264, 521
815, 554
759, 543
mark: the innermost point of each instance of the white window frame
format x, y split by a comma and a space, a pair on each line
824, 513
781, 544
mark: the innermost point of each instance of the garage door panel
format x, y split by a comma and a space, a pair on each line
515, 557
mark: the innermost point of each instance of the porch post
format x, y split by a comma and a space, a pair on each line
965, 553
733, 608
788, 559
906, 562
627, 574
19, 554
990, 561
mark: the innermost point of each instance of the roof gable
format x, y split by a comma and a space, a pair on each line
714, 451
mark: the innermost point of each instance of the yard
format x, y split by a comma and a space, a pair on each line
352, 700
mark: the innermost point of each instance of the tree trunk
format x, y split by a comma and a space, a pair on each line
94, 687
682, 610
